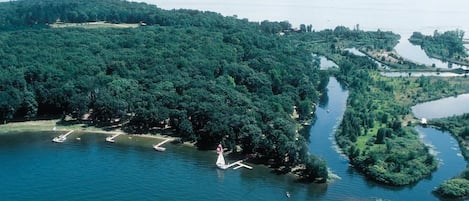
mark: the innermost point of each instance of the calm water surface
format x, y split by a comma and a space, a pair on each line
35, 168
419, 74
354, 186
90, 169
445, 107
400, 16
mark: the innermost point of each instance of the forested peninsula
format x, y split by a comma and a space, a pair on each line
196, 75
374, 133
447, 46
209, 79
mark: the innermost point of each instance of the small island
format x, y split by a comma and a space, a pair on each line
447, 46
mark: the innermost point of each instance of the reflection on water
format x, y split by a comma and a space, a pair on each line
357, 52
352, 185
324, 63
418, 74
445, 107
416, 54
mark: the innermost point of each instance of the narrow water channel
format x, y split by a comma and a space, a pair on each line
417, 54
34, 168
352, 185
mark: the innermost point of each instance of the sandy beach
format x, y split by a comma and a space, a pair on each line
51, 125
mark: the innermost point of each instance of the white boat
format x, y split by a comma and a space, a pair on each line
223, 165
221, 159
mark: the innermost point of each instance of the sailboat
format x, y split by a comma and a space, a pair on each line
221, 160
222, 164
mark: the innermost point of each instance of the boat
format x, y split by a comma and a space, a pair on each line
221, 160
223, 165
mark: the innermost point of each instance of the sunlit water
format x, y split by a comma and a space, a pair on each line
445, 107
400, 16
33, 167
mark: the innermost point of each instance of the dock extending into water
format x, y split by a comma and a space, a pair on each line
238, 164
62, 138
158, 147
111, 138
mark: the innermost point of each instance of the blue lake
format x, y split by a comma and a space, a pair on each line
34, 168
90, 169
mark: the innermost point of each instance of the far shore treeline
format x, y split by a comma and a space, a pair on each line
204, 77
212, 79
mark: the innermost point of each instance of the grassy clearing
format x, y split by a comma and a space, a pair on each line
40, 125
80, 130
93, 25
48, 125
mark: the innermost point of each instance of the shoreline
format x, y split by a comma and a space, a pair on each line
49, 125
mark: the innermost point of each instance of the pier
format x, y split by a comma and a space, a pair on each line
158, 147
238, 164
111, 138
62, 138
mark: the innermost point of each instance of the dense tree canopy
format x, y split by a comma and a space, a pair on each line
204, 77
371, 132
447, 45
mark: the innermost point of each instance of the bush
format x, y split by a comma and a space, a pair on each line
454, 188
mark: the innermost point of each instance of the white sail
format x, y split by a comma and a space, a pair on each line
220, 160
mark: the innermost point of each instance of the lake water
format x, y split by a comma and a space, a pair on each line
400, 16
90, 169
325, 63
33, 168
418, 55
442, 108
419, 74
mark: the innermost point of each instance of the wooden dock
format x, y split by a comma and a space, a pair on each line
62, 138
238, 164
158, 147
111, 138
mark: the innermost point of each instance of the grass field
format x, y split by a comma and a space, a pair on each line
94, 25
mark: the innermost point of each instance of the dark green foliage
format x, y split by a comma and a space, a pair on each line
465, 133
315, 169
454, 188
447, 45
459, 128
201, 76
382, 134
371, 132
